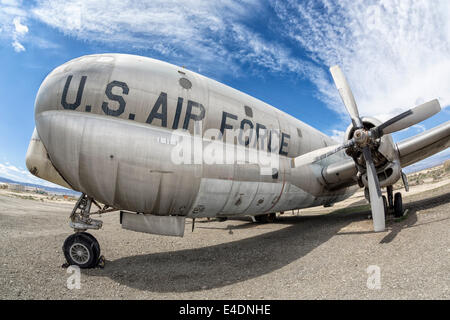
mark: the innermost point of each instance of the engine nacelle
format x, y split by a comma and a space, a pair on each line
384, 154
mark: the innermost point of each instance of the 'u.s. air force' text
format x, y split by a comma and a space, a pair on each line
195, 111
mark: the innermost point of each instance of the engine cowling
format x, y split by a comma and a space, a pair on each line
384, 153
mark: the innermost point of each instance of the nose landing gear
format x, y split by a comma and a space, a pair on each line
81, 248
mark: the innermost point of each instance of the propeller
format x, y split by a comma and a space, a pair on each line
408, 118
346, 95
363, 139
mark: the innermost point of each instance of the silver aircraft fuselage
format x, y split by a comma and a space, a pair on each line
104, 127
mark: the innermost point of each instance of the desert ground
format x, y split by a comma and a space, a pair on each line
317, 253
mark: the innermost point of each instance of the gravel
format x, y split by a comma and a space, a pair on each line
310, 256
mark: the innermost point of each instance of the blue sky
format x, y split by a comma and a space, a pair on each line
396, 54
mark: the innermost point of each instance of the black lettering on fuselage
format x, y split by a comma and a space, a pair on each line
73, 106
160, 103
269, 143
284, 143
224, 125
176, 119
105, 107
190, 115
159, 111
242, 131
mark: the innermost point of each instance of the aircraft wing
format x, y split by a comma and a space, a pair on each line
343, 173
424, 144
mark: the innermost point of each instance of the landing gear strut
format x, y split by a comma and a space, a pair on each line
81, 248
389, 191
395, 202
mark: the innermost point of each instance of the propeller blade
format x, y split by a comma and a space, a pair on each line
409, 118
346, 95
376, 200
349, 143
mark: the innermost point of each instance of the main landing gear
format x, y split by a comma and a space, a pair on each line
81, 248
393, 203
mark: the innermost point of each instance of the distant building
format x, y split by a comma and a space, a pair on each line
16, 187
40, 191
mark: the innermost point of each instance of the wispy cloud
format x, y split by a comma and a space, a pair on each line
396, 54
15, 28
18, 47
20, 30
202, 35
337, 135
194, 32
11, 23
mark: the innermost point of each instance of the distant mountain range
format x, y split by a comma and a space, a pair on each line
48, 189
431, 162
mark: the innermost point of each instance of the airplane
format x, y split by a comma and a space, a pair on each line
161, 143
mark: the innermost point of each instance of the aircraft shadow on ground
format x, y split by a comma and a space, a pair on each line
229, 263
411, 218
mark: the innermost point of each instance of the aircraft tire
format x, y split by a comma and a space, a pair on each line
81, 249
385, 204
398, 205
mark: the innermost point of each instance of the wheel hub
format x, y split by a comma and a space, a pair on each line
79, 253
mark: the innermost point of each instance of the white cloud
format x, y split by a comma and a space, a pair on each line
14, 28
18, 174
395, 54
337, 135
20, 29
10, 2
202, 35
18, 47
11, 25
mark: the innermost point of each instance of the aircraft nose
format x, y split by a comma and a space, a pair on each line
69, 90
76, 85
